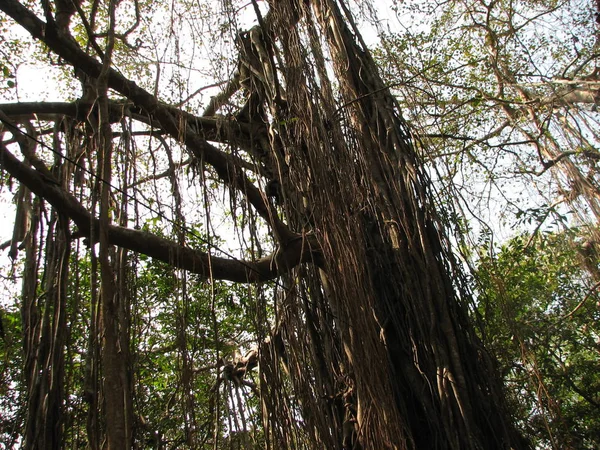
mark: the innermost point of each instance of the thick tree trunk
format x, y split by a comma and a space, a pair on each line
419, 376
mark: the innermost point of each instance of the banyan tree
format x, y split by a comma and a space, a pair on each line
339, 320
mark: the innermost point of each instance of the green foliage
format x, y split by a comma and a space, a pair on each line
182, 330
548, 357
7, 76
11, 361
178, 348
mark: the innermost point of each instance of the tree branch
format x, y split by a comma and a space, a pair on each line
299, 250
53, 111
218, 129
183, 127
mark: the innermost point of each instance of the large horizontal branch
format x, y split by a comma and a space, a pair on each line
181, 126
297, 251
54, 111
213, 128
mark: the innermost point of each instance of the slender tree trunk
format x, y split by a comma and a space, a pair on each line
30, 317
115, 351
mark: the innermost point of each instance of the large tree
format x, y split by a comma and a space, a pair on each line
359, 314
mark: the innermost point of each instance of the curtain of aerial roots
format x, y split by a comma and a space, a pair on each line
68, 340
44, 318
393, 362
43, 308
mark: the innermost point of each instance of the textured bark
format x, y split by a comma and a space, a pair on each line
45, 338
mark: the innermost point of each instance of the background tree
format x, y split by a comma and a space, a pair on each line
508, 108
358, 311
540, 310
